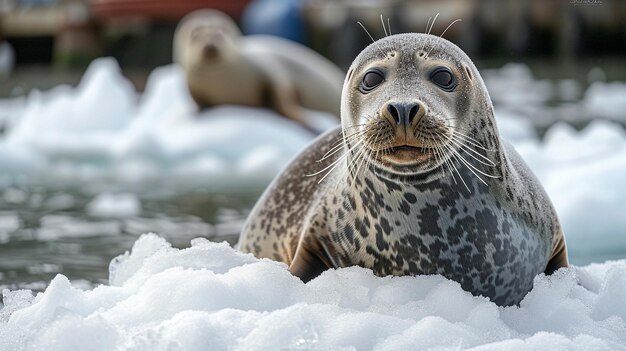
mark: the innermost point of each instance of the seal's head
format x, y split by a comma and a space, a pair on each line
205, 37
408, 103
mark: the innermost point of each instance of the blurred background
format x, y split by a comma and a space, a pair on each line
98, 143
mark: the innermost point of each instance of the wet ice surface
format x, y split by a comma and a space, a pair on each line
149, 163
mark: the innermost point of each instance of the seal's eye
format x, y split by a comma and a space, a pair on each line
443, 78
371, 80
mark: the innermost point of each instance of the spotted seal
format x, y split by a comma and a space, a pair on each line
223, 67
416, 181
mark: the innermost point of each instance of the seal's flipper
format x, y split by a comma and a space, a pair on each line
309, 262
559, 256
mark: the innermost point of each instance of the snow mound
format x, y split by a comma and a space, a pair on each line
102, 129
210, 296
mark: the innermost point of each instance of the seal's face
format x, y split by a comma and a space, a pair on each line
206, 37
405, 102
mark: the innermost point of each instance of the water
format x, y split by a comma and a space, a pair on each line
44, 232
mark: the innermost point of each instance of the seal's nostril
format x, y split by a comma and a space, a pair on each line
393, 110
413, 110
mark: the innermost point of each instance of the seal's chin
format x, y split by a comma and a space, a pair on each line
406, 154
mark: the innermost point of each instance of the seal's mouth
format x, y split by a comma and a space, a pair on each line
404, 154
402, 148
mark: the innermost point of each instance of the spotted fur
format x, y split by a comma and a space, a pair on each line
492, 236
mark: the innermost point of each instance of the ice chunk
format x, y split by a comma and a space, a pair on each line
114, 205
210, 296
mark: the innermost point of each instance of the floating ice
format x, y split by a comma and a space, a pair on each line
606, 100
513, 127
79, 122
101, 130
114, 205
514, 85
210, 296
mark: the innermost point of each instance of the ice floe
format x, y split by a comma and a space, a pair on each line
210, 296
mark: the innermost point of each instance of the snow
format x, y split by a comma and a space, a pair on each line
102, 129
210, 296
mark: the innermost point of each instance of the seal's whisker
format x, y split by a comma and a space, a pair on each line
429, 29
383, 22
351, 164
358, 153
353, 135
367, 156
439, 155
471, 167
432, 143
432, 24
345, 169
470, 140
448, 154
336, 161
475, 168
356, 126
334, 166
467, 163
388, 26
451, 166
370, 161
450, 25
339, 145
452, 153
330, 153
371, 37
444, 32
425, 32
467, 150
359, 158
445, 158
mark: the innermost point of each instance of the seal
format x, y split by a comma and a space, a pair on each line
416, 181
223, 67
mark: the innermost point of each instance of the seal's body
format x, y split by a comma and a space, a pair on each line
224, 67
420, 182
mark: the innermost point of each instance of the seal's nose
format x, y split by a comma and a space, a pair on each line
403, 113
210, 50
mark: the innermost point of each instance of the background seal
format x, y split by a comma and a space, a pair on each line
223, 67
